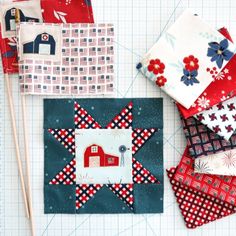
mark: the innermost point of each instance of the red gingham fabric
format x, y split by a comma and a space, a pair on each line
83, 120
66, 137
140, 137
67, 175
141, 175
198, 208
84, 192
123, 120
124, 192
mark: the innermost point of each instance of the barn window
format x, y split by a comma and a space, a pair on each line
94, 149
110, 160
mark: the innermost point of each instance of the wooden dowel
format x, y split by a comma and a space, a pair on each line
27, 160
18, 158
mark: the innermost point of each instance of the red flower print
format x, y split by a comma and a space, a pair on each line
191, 63
156, 66
161, 80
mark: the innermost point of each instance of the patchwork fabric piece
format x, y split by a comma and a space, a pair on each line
198, 208
202, 141
222, 88
220, 118
220, 187
84, 192
223, 163
69, 11
66, 176
124, 192
180, 68
29, 11
90, 192
69, 59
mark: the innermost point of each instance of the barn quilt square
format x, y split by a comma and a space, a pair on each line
66, 59
103, 156
121, 138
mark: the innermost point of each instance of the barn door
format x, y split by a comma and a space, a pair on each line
44, 49
94, 161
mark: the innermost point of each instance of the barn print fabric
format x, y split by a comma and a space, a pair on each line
78, 60
202, 141
67, 11
220, 187
180, 68
51, 11
85, 137
197, 207
28, 11
220, 118
223, 163
222, 88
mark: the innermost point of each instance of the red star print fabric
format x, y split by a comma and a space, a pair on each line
85, 192
222, 88
197, 208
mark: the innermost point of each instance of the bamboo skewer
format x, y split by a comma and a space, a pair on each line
18, 158
27, 160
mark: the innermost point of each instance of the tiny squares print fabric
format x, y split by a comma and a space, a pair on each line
66, 59
202, 141
221, 187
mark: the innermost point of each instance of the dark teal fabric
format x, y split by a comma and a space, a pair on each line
147, 113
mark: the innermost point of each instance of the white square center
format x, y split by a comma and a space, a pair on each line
103, 156
44, 49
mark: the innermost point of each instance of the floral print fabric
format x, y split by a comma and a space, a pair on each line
181, 69
222, 88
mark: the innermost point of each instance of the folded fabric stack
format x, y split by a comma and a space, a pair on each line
195, 65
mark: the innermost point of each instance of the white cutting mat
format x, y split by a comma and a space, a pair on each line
138, 24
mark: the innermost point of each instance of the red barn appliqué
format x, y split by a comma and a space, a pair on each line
94, 156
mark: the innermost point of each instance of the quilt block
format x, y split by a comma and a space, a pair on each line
103, 156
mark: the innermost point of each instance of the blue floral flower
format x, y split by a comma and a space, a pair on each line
189, 77
219, 52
